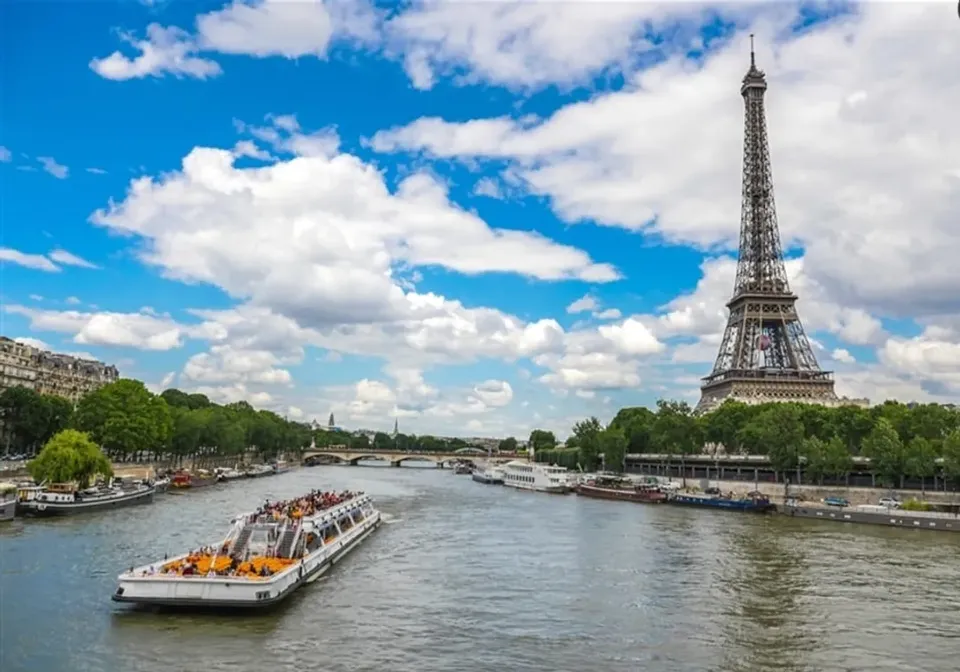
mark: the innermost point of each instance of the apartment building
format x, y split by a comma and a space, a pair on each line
49, 372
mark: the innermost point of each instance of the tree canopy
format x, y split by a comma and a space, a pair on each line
69, 456
916, 440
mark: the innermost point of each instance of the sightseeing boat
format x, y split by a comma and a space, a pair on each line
537, 477
280, 466
754, 502
265, 556
60, 499
187, 479
620, 488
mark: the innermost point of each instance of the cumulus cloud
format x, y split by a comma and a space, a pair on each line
259, 28
592, 159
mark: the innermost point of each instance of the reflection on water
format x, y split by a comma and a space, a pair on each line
472, 577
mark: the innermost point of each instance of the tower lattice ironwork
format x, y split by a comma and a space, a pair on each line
765, 354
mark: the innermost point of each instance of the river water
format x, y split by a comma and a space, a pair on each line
467, 577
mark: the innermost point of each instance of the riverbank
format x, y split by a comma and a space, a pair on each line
856, 496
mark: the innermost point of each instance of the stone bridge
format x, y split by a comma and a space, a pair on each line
397, 457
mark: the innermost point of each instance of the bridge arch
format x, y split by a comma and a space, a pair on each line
436, 459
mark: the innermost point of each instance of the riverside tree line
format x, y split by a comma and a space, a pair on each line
130, 423
918, 441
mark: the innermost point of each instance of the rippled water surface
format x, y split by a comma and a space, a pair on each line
470, 577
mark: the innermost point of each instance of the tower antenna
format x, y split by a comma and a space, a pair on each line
753, 57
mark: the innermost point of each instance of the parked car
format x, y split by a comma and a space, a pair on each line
890, 502
836, 501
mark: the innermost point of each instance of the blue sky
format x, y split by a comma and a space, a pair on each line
477, 217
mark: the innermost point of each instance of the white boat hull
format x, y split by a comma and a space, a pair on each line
235, 593
552, 489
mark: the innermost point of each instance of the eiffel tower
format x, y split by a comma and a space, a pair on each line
765, 355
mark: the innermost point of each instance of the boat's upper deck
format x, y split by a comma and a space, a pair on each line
266, 542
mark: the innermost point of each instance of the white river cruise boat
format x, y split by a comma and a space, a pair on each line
264, 558
538, 477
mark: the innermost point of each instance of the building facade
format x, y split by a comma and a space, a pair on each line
49, 372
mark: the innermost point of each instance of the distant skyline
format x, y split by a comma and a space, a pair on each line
474, 218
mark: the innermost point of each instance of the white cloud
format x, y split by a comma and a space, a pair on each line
72, 300
51, 166
164, 51
226, 364
486, 186
608, 314
527, 45
582, 305
68, 259
260, 28
133, 330
5, 155
96, 171
316, 239
843, 355
35, 297
593, 158
35, 261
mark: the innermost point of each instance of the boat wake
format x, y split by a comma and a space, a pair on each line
389, 520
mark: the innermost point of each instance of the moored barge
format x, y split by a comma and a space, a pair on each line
61, 499
263, 559
187, 479
623, 489
754, 502
873, 515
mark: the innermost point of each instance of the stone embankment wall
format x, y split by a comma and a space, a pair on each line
775, 491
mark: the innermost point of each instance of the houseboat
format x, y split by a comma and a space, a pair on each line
258, 471
188, 479
872, 514
489, 476
227, 473
754, 502
265, 556
537, 477
60, 499
624, 489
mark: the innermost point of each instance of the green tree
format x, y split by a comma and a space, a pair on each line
676, 431
507, 445
951, 458
383, 441
360, 442
542, 440
637, 425
777, 432
612, 444
885, 450
26, 418
586, 437
722, 425
70, 456
814, 453
921, 460
837, 459
187, 431
125, 418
